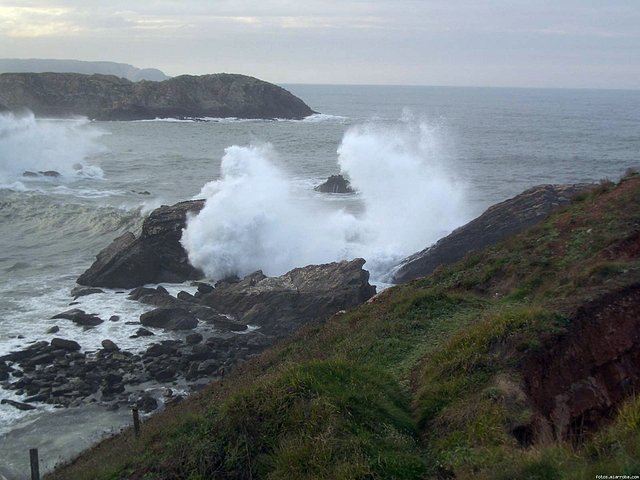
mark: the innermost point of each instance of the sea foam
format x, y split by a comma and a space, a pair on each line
254, 218
27, 144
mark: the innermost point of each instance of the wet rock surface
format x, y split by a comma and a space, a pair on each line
497, 223
578, 383
335, 184
224, 326
80, 317
155, 256
278, 303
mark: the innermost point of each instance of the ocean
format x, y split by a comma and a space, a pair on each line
423, 160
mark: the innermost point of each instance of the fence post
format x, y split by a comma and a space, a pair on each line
136, 422
35, 464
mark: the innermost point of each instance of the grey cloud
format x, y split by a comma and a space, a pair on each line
490, 42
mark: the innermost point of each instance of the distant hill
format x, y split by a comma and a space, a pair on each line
107, 97
40, 65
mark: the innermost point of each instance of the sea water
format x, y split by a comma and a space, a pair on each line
423, 160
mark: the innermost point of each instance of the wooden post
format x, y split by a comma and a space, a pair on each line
35, 464
136, 422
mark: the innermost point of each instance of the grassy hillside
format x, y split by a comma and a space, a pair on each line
445, 377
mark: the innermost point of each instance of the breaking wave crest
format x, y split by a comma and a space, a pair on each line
30, 145
255, 218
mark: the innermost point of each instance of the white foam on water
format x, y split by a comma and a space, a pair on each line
313, 118
28, 144
254, 218
30, 316
167, 120
83, 192
10, 415
324, 117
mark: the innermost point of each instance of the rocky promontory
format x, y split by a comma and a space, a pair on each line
107, 97
498, 222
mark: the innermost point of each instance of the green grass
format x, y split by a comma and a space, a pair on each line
424, 382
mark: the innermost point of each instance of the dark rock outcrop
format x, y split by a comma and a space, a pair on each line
48, 173
107, 97
67, 345
281, 304
153, 257
78, 292
18, 405
497, 223
80, 317
169, 318
335, 184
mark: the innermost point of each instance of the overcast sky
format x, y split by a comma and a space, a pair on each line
537, 43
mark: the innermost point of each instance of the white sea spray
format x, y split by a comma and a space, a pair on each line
254, 218
28, 144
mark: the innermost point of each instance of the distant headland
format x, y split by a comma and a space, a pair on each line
42, 65
109, 97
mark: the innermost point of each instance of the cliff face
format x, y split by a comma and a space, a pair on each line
106, 97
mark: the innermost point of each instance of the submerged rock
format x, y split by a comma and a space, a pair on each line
47, 173
155, 256
78, 292
497, 223
143, 332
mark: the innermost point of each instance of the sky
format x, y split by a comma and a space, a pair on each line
520, 43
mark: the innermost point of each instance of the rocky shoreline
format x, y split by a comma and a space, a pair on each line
220, 326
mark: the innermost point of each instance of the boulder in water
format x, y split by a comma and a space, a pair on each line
280, 305
335, 184
63, 344
109, 346
80, 317
80, 291
46, 173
